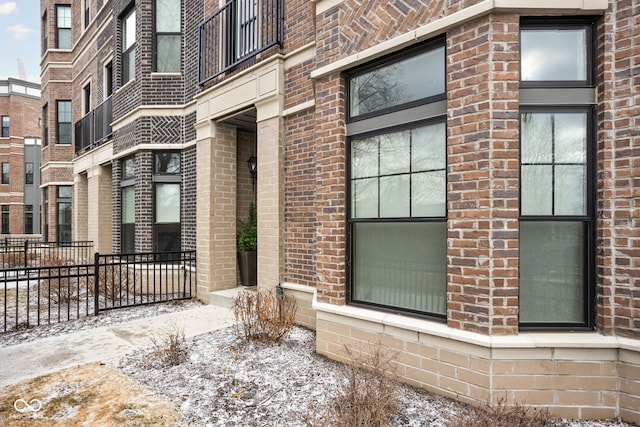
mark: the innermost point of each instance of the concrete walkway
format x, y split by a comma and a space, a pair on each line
51, 354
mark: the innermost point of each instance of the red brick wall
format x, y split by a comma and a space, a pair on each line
482, 254
618, 163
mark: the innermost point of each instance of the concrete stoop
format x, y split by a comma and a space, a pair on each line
225, 297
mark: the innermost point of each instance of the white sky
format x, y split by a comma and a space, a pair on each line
20, 38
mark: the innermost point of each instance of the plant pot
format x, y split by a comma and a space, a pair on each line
248, 265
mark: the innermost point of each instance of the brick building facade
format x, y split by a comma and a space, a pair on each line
456, 180
20, 157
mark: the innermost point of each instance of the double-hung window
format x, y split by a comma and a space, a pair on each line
5, 172
64, 121
167, 230
129, 46
5, 126
396, 166
556, 174
168, 36
63, 26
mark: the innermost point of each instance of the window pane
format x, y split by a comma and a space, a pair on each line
537, 136
168, 162
129, 31
401, 265
167, 203
364, 198
395, 156
410, 79
64, 38
555, 55
128, 168
570, 137
536, 190
428, 194
167, 237
551, 272
168, 16
128, 205
168, 54
65, 192
570, 190
394, 196
129, 65
428, 147
364, 157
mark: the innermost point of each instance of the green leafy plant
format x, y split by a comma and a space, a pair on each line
248, 232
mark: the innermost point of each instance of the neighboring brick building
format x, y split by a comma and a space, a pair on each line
457, 180
20, 157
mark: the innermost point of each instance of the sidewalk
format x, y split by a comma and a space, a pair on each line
51, 354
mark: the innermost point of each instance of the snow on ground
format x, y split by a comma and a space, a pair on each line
226, 381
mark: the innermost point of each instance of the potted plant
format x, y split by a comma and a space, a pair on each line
247, 245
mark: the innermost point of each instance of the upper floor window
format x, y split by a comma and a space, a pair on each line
385, 87
5, 172
552, 52
86, 5
5, 126
5, 219
129, 46
128, 168
63, 26
86, 98
247, 27
168, 36
64, 122
167, 163
45, 120
28, 173
45, 33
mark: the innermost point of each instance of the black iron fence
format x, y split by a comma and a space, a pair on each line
237, 32
37, 295
34, 253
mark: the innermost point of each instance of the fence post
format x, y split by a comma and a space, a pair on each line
96, 293
26, 251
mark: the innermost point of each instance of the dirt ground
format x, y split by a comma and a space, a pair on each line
86, 395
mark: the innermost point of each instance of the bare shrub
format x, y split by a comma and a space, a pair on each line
501, 415
115, 281
367, 395
170, 345
263, 315
60, 288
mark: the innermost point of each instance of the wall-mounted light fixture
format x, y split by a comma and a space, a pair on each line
253, 170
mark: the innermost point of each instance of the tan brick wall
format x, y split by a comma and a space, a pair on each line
81, 222
572, 382
216, 207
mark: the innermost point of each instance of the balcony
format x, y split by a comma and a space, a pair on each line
95, 127
236, 33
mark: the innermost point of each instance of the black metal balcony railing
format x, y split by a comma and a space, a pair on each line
237, 32
95, 126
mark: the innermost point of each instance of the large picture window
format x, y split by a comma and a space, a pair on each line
128, 213
168, 36
64, 213
556, 177
397, 184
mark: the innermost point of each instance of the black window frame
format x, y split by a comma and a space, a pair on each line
563, 102
45, 120
128, 60
60, 125
86, 12
161, 229
6, 215
159, 34
436, 118
29, 172
6, 172
60, 28
6, 127
436, 43
64, 202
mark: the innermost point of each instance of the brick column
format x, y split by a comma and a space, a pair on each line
80, 214
270, 204
216, 208
330, 189
100, 205
482, 245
